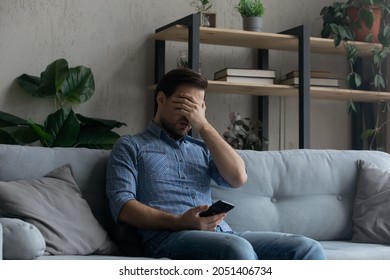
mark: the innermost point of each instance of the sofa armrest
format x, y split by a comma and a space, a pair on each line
1, 242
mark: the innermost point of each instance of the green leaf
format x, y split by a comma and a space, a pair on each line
20, 134
352, 107
102, 123
376, 58
354, 80
94, 138
64, 128
53, 77
367, 133
42, 135
379, 82
367, 16
7, 119
384, 36
369, 37
79, 86
385, 108
352, 52
29, 84
5, 138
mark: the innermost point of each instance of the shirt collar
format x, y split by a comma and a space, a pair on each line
160, 133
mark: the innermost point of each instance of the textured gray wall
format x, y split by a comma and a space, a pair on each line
113, 38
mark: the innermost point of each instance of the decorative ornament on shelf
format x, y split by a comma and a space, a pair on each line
243, 133
207, 19
183, 62
252, 12
182, 59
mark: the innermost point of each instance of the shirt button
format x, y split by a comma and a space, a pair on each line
182, 177
180, 160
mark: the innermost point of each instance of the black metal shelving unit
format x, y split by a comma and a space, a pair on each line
188, 29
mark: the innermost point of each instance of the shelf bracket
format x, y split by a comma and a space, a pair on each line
192, 22
263, 101
303, 34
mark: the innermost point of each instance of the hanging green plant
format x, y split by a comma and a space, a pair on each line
361, 20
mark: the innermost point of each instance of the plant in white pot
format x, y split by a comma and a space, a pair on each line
252, 12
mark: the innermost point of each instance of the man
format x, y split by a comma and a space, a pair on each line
159, 182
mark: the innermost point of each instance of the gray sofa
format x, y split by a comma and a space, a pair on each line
309, 192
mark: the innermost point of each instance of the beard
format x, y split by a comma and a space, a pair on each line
175, 130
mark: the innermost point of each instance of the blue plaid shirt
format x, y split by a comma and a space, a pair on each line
158, 171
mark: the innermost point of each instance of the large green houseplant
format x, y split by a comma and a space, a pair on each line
339, 23
63, 128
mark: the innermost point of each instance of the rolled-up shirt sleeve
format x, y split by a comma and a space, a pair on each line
216, 176
121, 176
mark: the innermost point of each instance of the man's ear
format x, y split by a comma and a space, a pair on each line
160, 99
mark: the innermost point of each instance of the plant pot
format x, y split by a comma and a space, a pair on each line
252, 23
359, 27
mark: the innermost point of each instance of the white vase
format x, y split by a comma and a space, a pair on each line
252, 23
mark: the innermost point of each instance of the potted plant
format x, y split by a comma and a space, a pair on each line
252, 12
63, 128
355, 20
207, 19
243, 133
337, 24
358, 20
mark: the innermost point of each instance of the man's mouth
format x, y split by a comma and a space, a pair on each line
184, 122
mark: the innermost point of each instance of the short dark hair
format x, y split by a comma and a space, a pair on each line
177, 77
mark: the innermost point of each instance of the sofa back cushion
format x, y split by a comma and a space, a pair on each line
309, 192
88, 168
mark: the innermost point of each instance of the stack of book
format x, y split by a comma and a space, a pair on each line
317, 78
244, 75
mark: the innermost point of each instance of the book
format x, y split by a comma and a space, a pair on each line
321, 82
313, 74
246, 80
245, 72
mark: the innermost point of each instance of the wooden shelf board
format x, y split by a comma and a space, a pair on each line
259, 40
328, 93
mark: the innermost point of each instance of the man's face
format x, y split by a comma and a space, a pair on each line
169, 118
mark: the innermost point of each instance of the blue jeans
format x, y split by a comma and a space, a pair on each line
206, 245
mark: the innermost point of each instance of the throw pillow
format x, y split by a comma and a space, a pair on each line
371, 210
21, 240
54, 204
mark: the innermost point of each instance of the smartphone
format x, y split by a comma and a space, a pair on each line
218, 207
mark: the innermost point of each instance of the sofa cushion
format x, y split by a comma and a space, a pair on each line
21, 240
346, 250
371, 223
307, 192
54, 204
